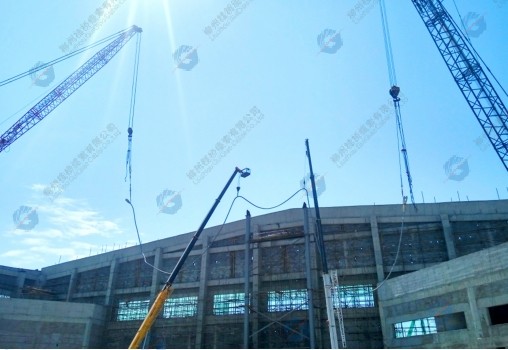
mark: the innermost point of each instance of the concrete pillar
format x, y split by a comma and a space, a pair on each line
111, 282
202, 294
20, 282
87, 334
154, 290
72, 284
474, 319
378, 253
448, 236
255, 295
156, 275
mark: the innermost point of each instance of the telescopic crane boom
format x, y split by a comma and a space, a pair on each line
66, 88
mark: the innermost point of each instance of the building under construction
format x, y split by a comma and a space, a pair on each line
436, 277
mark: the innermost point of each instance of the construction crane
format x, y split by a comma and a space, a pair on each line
65, 88
468, 73
167, 290
330, 280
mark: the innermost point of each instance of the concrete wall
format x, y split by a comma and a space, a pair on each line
361, 242
461, 288
39, 324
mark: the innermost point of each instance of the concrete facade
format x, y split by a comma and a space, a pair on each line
462, 295
278, 258
41, 324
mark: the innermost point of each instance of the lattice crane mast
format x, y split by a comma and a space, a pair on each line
472, 81
66, 88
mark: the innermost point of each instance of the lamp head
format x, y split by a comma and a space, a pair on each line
245, 172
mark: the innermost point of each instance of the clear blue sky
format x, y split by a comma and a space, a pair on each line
268, 56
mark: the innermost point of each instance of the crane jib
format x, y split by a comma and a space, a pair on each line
59, 94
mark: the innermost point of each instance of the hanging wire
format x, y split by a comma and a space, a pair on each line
128, 163
388, 45
216, 235
139, 240
276, 206
398, 248
394, 92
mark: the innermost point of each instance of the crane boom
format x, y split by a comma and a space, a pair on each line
468, 74
65, 88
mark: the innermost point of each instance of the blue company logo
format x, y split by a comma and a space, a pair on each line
186, 57
169, 202
456, 168
42, 77
329, 41
25, 218
475, 24
320, 184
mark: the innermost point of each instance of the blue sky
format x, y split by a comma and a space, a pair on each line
267, 57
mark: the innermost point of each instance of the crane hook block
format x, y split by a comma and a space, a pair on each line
394, 92
129, 130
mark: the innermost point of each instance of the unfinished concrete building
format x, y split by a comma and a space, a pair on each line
257, 283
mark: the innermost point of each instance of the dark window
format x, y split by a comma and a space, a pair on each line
498, 314
451, 322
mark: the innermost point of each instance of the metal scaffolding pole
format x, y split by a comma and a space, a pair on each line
247, 284
309, 276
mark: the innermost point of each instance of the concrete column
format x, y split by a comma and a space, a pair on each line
378, 253
255, 295
386, 328
156, 275
448, 236
20, 283
154, 290
86, 336
72, 284
475, 325
202, 294
111, 282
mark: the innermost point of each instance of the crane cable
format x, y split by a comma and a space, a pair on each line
394, 92
62, 58
465, 36
128, 163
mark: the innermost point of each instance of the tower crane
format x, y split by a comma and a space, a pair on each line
467, 72
66, 88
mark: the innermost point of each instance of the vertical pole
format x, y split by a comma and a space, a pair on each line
319, 235
326, 277
327, 282
309, 276
246, 277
